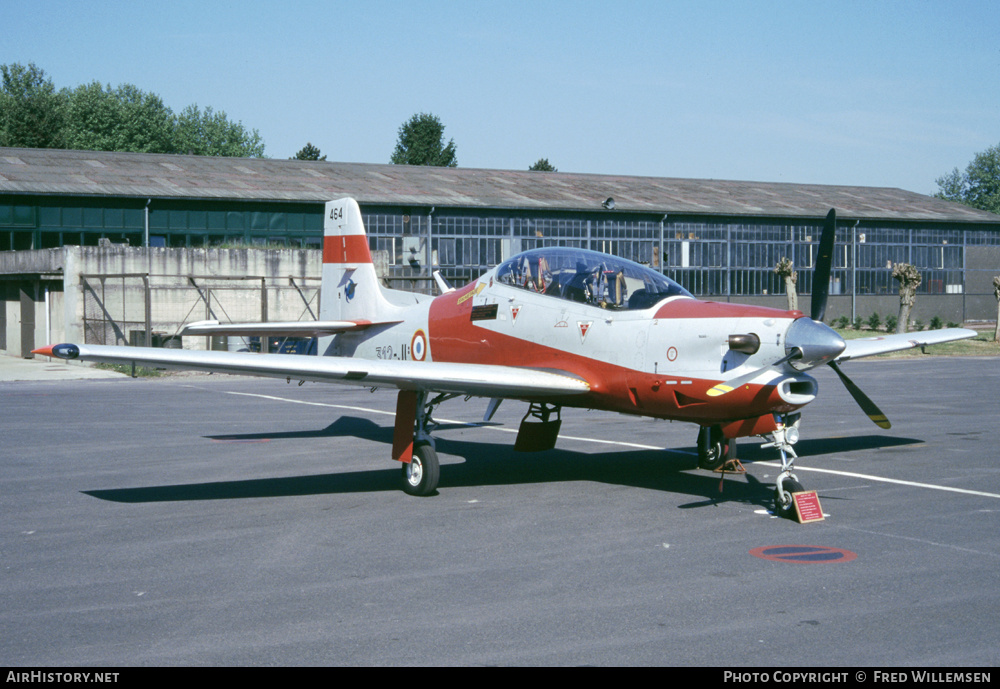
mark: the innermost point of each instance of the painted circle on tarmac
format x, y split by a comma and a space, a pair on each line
805, 554
418, 346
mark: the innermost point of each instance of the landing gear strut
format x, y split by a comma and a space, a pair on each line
421, 469
786, 435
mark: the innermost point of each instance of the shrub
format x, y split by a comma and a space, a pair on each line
936, 323
843, 322
874, 321
890, 324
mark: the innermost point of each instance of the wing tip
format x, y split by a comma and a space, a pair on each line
59, 351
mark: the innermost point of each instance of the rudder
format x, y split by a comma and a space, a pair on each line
350, 288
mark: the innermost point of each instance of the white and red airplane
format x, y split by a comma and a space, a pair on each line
555, 327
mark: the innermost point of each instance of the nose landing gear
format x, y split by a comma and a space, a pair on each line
786, 435
715, 450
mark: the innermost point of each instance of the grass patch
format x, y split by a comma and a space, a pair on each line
140, 371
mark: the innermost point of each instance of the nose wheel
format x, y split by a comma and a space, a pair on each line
784, 502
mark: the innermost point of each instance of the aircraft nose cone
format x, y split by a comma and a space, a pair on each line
817, 342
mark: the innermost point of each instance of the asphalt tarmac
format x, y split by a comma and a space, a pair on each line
212, 520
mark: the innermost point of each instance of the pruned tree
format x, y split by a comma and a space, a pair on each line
421, 142
308, 152
543, 165
996, 293
786, 270
909, 279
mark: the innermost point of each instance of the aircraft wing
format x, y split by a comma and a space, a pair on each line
870, 346
278, 328
479, 380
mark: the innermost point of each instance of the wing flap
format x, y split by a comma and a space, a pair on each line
870, 346
468, 379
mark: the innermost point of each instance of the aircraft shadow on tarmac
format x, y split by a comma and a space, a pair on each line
484, 463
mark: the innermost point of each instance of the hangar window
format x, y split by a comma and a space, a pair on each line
17, 216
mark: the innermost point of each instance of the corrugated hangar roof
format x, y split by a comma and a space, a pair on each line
99, 173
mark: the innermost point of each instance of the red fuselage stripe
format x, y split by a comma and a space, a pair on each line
693, 308
455, 338
351, 248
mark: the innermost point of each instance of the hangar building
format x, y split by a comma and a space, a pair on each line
720, 239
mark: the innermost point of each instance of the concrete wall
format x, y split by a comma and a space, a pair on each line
107, 285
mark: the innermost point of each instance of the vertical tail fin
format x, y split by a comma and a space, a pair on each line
350, 287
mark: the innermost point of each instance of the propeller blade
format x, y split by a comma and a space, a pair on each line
867, 406
824, 266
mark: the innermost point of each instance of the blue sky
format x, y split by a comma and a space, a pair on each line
876, 93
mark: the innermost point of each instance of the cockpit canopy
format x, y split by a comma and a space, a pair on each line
588, 277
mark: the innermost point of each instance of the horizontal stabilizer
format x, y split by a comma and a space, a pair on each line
278, 328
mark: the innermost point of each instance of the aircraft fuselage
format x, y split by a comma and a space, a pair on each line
659, 358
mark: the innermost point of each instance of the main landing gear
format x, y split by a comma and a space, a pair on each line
413, 444
713, 448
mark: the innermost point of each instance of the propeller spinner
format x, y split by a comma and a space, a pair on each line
809, 342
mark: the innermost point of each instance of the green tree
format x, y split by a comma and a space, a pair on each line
32, 113
421, 142
978, 186
95, 117
543, 165
211, 133
308, 152
120, 119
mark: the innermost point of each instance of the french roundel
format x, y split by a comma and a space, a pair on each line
418, 346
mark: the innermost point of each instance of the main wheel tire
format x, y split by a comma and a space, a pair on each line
420, 476
784, 503
713, 449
